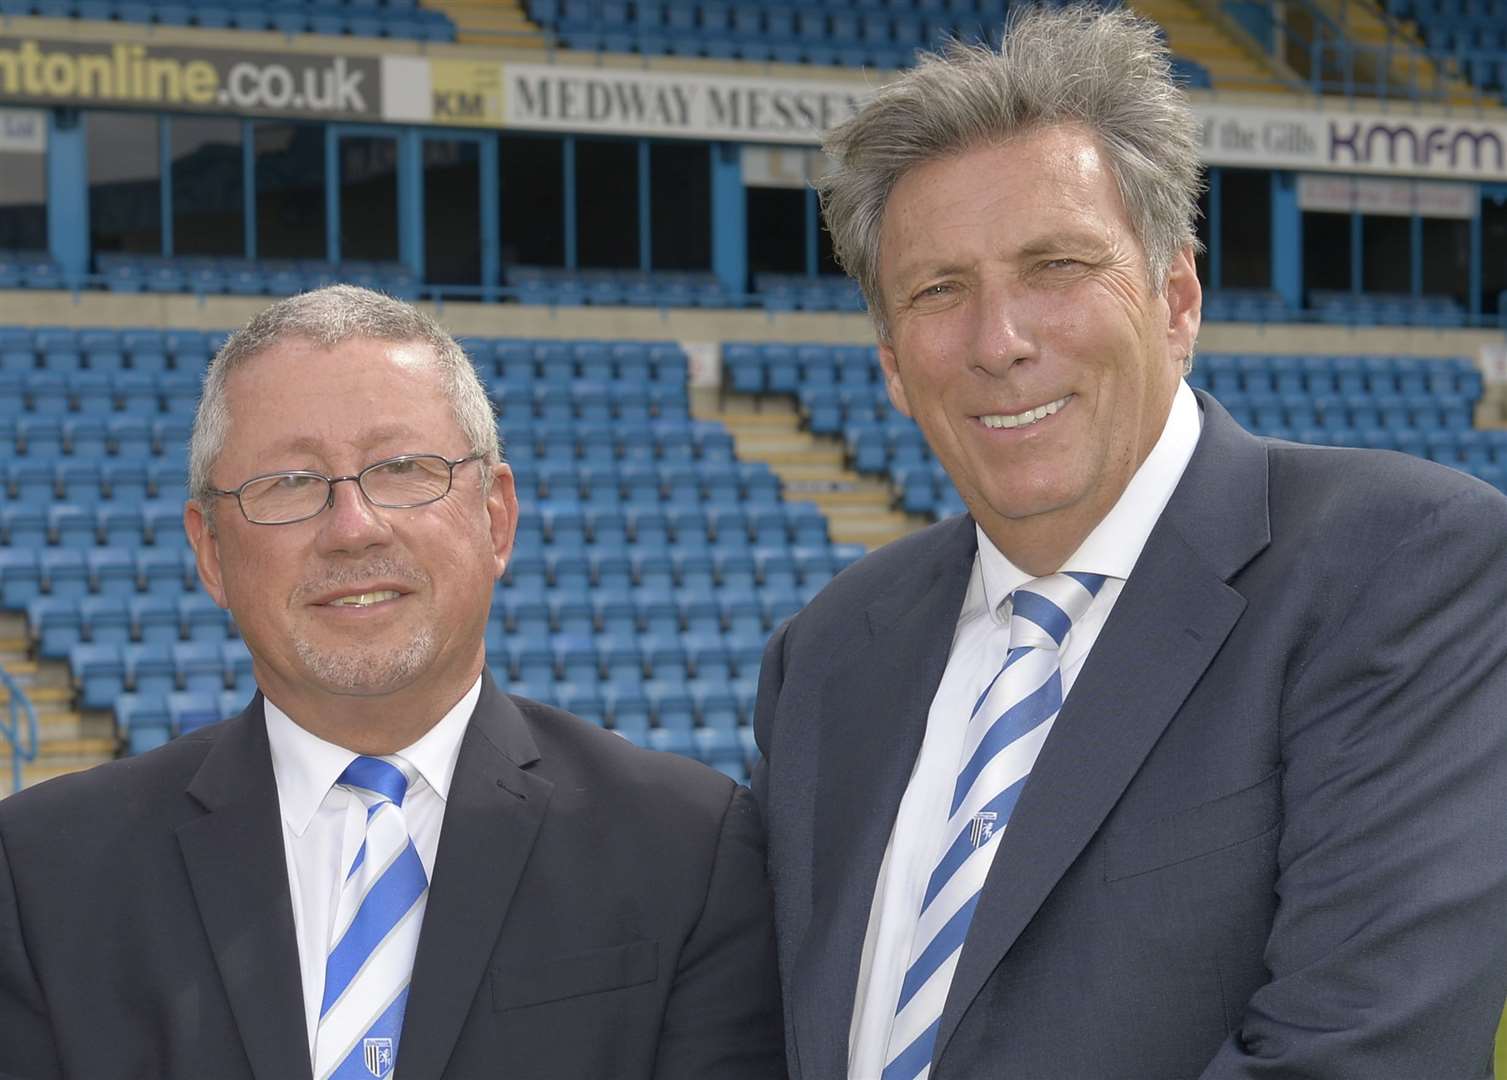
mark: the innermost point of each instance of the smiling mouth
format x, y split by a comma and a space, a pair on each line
1024, 419
363, 599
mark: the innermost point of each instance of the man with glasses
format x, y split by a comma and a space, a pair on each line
385, 865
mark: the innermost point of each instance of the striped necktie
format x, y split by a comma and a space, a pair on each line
1006, 729
375, 935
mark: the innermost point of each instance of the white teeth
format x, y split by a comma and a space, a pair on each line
364, 599
1030, 416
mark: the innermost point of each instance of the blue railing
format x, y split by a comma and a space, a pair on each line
19, 728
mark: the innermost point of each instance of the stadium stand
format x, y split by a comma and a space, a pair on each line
1469, 34
359, 18
651, 562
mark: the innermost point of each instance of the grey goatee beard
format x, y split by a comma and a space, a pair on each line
363, 666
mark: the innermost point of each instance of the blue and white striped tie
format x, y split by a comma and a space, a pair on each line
1009, 723
375, 936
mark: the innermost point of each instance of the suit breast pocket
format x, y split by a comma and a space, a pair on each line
595, 971
1140, 847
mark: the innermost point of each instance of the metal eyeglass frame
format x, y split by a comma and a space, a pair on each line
356, 478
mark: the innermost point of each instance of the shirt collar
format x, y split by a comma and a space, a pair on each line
1116, 542
306, 766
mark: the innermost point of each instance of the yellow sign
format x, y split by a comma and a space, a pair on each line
466, 92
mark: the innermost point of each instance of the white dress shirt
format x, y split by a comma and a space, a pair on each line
323, 825
979, 644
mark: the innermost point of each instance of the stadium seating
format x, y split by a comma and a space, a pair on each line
1470, 35
651, 563
203, 275
360, 18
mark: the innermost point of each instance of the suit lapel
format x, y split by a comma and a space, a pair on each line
492, 816
239, 873
874, 708
1167, 626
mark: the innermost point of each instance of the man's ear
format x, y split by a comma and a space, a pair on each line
1184, 305
502, 511
892, 384
206, 545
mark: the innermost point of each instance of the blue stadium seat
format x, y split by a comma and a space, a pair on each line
56, 625
99, 672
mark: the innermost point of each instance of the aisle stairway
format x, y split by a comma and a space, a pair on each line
768, 429
1232, 62
68, 740
492, 22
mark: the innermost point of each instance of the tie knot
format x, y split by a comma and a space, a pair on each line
1044, 610
388, 782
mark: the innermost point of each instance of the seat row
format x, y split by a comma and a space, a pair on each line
92, 393
521, 361
1385, 309
553, 286
58, 623
727, 526
102, 672
394, 19
210, 275
740, 608
85, 478
802, 292
587, 401
27, 573
66, 348
700, 565
619, 444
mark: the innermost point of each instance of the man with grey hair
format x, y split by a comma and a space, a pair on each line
1183, 753
385, 865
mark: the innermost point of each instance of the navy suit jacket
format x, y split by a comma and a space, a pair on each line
596, 911
1267, 836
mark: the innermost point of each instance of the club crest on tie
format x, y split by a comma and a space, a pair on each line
982, 828
378, 1056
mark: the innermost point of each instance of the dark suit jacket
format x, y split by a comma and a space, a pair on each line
596, 911
1267, 836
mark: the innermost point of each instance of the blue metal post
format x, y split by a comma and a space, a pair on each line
491, 217
411, 201
68, 193
1287, 240
729, 217
332, 193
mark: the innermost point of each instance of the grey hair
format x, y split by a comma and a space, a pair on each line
1104, 70
329, 317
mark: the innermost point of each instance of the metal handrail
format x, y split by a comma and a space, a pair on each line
12, 731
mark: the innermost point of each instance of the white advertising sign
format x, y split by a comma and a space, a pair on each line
1353, 142
557, 98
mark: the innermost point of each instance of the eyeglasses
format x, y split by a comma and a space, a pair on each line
398, 483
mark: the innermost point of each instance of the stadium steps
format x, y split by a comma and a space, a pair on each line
768, 429
67, 740
492, 22
1409, 65
1233, 62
